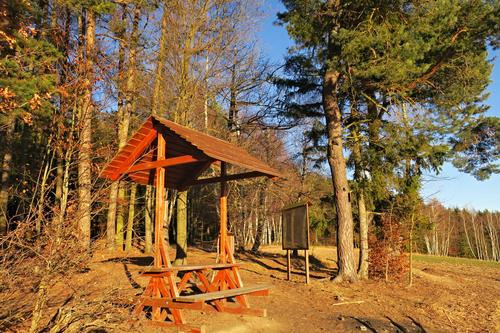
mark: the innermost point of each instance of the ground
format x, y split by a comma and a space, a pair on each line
448, 295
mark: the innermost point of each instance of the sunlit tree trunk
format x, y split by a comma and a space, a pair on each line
160, 63
181, 234
148, 218
85, 142
131, 216
4, 179
360, 198
112, 223
156, 109
336, 160
261, 219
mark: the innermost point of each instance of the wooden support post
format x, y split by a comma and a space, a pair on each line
288, 270
306, 255
160, 203
223, 215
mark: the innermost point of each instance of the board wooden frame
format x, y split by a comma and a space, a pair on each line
286, 246
304, 247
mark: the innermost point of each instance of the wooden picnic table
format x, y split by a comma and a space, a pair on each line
211, 287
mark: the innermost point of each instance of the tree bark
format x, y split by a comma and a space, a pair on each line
155, 110
4, 179
124, 118
85, 123
160, 62
363, 238
181, 235
131, 215
148, 218
335, 156
260, 220
111, 217
112, 223
336, 160
360, 197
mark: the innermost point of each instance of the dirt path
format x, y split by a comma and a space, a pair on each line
444, 297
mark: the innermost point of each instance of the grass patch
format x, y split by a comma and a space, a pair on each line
456, 261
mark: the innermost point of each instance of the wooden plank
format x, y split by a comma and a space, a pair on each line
221, 294
201, 306
182, 268
237, 176
161, 163
136, 152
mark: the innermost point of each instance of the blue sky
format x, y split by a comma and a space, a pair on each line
450, 187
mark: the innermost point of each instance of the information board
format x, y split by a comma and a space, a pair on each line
295, 227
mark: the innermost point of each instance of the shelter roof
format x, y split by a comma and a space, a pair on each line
188, 154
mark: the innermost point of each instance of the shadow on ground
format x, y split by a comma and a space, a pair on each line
404, 325
138, 261
317, 268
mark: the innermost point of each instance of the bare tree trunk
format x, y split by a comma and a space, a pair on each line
181, 235
131, 216
111, 217
363, 238
410, 238
40, 300
492, 233
476, 237
4, 179
59, 176
124, 120
160, 62
467, 236
261, 219
66, 174
85, 124
113, 191
43, 186
148, 218
156, 110
362, 213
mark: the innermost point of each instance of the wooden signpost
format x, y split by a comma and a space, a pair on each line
295, 228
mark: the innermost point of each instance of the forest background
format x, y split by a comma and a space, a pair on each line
368, 100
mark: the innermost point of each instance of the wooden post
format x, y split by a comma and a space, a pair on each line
160, 204
223, 215
306, 255
288, 270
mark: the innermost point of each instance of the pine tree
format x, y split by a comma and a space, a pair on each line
389, 68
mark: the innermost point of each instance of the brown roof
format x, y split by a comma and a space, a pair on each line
180, 141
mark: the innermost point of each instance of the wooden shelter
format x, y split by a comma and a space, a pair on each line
165, 154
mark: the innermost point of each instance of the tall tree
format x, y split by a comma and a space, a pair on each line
85, 133
312, 25
125, 114
121, 27
370, 58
